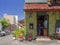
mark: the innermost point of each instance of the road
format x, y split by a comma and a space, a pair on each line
8, 40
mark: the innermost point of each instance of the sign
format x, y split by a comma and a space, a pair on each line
58, 30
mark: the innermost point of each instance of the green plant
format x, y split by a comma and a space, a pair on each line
19, 31
52, 36
4, 22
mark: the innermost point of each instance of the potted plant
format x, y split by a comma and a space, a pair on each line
30, 37
21, 37
52, 36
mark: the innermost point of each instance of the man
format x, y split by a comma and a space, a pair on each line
45, 23
39, 29
45, 27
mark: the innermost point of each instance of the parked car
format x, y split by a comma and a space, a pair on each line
7, 32
2, 33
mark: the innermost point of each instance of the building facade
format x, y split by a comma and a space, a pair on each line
13, 19
37, 11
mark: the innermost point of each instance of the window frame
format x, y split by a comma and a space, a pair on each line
31, 24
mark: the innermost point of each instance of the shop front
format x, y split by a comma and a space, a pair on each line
41, 19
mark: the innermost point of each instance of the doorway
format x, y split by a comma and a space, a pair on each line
41, 30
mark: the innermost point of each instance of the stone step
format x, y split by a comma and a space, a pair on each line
43, 39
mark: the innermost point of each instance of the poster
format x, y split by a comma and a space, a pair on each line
58, 30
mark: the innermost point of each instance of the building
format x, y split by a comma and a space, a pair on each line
13, 19
21, 23
36, 11
0, 26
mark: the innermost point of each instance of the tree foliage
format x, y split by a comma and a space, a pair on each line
4, 22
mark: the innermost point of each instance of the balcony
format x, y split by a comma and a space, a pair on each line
54, 2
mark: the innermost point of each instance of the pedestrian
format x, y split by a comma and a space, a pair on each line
39, 29
45, 23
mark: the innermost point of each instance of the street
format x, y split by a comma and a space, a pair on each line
8, 40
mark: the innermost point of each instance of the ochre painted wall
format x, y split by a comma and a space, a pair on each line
31, 20
53, 17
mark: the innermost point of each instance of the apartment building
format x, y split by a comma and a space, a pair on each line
13, 19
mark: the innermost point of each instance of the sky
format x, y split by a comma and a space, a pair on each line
12, 7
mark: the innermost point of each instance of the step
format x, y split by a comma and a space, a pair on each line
43, 39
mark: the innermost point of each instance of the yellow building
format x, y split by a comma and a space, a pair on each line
35, 13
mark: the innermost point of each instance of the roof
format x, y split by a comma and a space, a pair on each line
38, 6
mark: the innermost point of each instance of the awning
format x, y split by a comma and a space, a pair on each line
40, 7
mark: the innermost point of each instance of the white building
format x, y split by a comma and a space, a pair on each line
0, 26
13, 19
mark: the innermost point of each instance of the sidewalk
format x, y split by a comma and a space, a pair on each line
34, 42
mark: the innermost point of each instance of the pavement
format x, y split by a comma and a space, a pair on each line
37, 43
8, 40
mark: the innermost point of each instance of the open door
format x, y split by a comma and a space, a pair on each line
42, 29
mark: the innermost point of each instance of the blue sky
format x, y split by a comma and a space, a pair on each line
14, 7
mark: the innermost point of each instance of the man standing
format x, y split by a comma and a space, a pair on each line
45, 23
45, 27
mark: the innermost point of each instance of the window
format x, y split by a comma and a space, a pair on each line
58, 23
58, 1
59, 15
55, 2
58, 26
30, 15
31, 26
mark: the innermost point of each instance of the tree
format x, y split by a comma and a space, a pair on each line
4, 22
